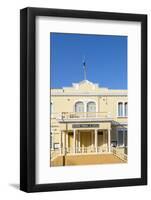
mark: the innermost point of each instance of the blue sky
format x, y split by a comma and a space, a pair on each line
105, 56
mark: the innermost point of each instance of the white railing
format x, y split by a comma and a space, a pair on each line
78, 150
88, 150
120, 154
80, 115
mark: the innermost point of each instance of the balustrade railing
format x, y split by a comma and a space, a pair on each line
88, 150
78, 150
80, 115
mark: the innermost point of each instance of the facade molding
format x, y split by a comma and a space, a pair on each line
80, 94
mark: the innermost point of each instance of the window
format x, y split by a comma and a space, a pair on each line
91, 107
122, 138
126, 109
125, 138
79, 107
122, 109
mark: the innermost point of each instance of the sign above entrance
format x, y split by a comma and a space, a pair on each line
85, 126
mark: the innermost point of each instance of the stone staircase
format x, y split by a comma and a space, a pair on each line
86, 160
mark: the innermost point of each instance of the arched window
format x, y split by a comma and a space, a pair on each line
79, 106
91, 107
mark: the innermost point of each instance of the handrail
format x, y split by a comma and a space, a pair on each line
116, 151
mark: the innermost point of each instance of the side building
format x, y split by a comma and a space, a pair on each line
88, 119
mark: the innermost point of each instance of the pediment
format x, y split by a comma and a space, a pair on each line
85, 85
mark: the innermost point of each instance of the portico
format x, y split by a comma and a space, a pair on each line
85, 141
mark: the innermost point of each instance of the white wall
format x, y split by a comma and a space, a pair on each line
9, 97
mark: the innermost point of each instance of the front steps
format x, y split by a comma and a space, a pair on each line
86, 160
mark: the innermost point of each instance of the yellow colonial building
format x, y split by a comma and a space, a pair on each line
88, 125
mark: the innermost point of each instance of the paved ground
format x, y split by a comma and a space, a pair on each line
92, 159
86, 160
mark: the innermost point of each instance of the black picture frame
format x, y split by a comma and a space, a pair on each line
28, 99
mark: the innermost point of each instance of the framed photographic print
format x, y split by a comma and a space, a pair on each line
83, 99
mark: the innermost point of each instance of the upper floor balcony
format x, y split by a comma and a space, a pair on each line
82, 116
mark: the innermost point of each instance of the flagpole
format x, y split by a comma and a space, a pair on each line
84, 68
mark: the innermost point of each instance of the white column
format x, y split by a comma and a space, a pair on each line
67, 145
96, 139
64, 143
92, 145
79, 140
74, 140
109, 140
